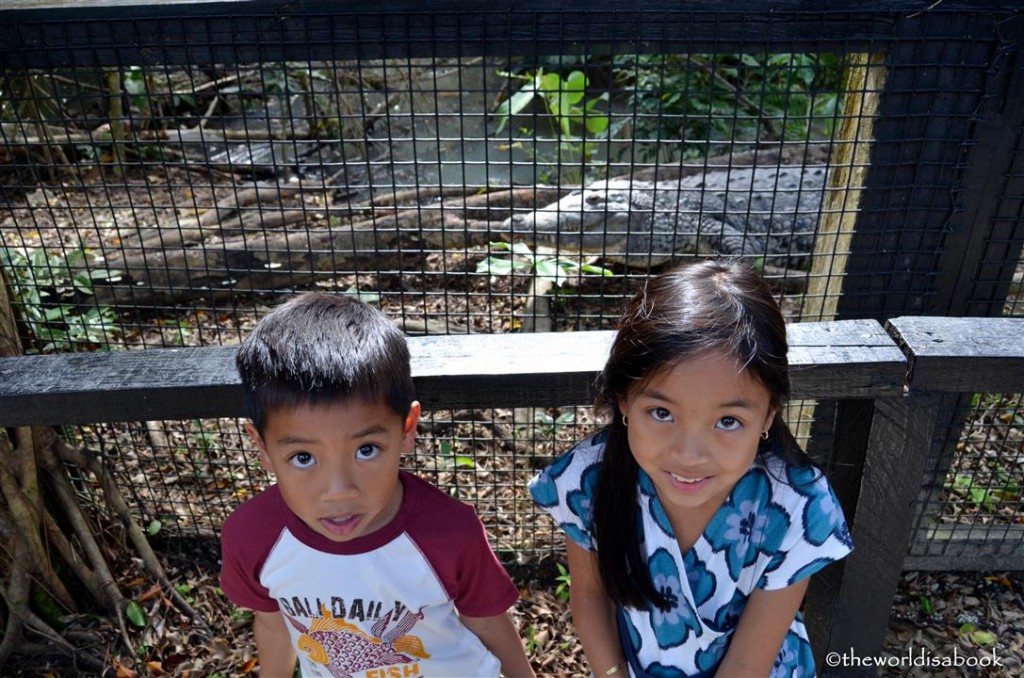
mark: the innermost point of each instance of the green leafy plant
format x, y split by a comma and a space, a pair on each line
522, 259
452, 460
731, 97
979, 636
48, 287
1003, 487
135, 614
564, 580
574, 117
549, 426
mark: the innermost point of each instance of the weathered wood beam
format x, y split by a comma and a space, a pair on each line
847, 359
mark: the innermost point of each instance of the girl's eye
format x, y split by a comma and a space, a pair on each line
301, 460
729, 424
367, 452
661, 414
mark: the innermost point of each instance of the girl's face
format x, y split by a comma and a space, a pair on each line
694, 429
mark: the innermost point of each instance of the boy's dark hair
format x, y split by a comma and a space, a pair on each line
711, 305
323, 348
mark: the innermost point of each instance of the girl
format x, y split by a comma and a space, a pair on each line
693, 519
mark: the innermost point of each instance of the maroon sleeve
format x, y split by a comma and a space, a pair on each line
454, 542
246, 539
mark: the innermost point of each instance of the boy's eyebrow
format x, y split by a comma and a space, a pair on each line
370, 430
300, 440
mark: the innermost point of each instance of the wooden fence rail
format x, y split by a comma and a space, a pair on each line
888, 381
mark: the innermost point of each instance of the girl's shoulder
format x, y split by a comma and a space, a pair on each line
585, 453
792, 484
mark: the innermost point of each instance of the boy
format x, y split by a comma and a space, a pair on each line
364, 569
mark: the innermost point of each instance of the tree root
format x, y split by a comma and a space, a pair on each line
46, 530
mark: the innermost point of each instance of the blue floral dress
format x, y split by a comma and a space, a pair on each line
777, 527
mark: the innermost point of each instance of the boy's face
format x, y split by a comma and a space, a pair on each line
337, 464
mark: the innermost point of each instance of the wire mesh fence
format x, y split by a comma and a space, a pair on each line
510, 171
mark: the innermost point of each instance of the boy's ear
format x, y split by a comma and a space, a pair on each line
257, 439
409, 428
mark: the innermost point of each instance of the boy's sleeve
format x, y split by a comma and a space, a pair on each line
242, 558
483, 587
818, 533
565, 491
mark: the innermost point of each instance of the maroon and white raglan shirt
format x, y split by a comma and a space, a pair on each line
382, 605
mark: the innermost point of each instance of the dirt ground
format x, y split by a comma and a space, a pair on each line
936, 617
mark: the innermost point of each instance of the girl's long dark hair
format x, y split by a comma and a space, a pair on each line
717, 305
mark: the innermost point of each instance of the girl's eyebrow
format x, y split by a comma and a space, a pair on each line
739, 403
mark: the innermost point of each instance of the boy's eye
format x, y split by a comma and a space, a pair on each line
301, 460
729, 424
367, 452
661, 414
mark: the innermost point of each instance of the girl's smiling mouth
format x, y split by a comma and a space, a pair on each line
687, 483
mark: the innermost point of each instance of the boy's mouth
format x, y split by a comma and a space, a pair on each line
341, 525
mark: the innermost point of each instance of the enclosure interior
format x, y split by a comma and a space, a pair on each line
170, 197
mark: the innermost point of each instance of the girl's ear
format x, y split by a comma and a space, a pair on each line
772, 411
622, 403
409, 428
257, 439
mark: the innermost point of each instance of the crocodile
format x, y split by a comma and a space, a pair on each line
758, 211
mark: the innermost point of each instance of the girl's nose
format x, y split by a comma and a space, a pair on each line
689, 448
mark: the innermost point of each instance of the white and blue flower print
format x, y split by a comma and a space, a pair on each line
543, 487
653, 503
823, 516
749, 525
777, 527
672, 625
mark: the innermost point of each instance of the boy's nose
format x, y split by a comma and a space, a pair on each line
339, 486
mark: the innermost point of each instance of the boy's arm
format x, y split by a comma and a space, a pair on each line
273, 645
762, 627
593, 612
499, 635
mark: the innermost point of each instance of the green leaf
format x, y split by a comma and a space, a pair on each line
153, 527
575, 86
494, 266
136, 615
465, 462
521, 248
597, 124
515, 104
984, 637
926, 605
547, 268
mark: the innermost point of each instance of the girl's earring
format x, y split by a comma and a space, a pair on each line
625, 420
764, 434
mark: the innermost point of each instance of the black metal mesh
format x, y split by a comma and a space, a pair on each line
972, 499
171, 173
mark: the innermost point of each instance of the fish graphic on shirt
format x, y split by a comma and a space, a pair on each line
344, 649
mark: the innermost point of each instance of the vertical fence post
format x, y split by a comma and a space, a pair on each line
848, 603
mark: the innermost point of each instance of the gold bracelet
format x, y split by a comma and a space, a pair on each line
615, 669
